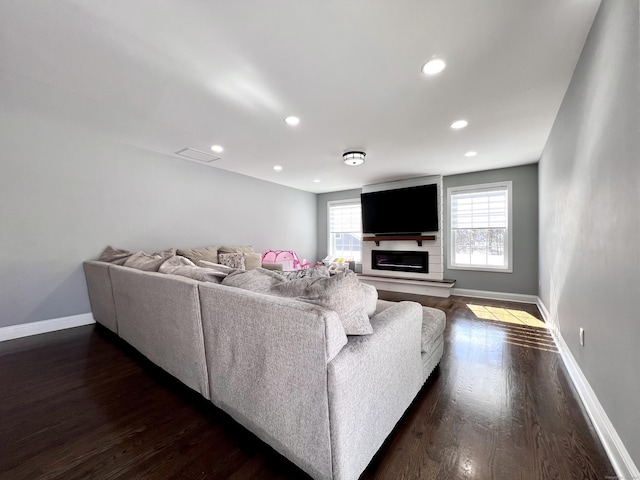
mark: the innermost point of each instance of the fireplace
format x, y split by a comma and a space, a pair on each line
400, 261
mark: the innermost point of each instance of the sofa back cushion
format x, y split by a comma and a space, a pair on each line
160, 316
149, 262
209, 254
116, 256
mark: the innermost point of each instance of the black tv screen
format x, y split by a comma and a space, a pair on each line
401, 211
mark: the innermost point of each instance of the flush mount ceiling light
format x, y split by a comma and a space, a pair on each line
458, 124
292, 120
470, 154
433, 66
353, 158
277, 168
217, 148
317, 180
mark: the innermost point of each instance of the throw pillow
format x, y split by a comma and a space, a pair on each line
341, 293
209, 254
117, 256
240, 249
252, 260
177, 261
370, 298
149, 262
257, 280
233, 260
184, 267
216, 266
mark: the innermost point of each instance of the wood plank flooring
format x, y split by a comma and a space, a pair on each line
80, 404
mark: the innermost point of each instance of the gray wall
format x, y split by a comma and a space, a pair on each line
589, 221
66, 193
524, 278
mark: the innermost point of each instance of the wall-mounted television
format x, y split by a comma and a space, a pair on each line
402, 211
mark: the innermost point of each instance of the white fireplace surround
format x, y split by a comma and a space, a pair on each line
434, 247
410, 282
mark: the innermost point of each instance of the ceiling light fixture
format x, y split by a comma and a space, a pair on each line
292, 120
277, 168
470, 154
458, 124
217, 148
317, 180
353, 158
433, 66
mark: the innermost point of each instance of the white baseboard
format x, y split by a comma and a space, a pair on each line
35, 328
616, 451
509, 297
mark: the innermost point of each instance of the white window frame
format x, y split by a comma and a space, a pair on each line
330, 203
508, 268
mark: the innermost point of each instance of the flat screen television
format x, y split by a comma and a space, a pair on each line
402, 211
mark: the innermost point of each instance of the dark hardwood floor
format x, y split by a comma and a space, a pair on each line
80, 404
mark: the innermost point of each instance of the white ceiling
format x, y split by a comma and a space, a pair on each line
165, 74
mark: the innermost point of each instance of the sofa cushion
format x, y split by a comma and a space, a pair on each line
370, 299
233, 260
117, 256
209, 254
341, 293
149, 262
257, 280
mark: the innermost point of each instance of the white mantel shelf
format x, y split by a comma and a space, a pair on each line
435, 288
387, 238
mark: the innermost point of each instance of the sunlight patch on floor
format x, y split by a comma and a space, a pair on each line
506, 315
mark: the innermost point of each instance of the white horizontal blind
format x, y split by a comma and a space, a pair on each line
479, 209
479, 225
345, 229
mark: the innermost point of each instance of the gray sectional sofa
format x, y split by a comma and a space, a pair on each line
281, 367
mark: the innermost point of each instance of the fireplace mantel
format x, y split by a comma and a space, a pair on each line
383, 238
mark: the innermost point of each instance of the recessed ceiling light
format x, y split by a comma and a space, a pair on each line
317, 180
459, 124
292, 120
217, 148
470, 154
277, 168
433, 66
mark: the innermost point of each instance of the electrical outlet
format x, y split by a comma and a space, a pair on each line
582, 336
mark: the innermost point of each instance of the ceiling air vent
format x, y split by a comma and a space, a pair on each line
197, 155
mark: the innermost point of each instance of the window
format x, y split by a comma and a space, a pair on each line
480, 227
345, 229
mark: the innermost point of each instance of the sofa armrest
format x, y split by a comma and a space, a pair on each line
100, 293
372, 381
